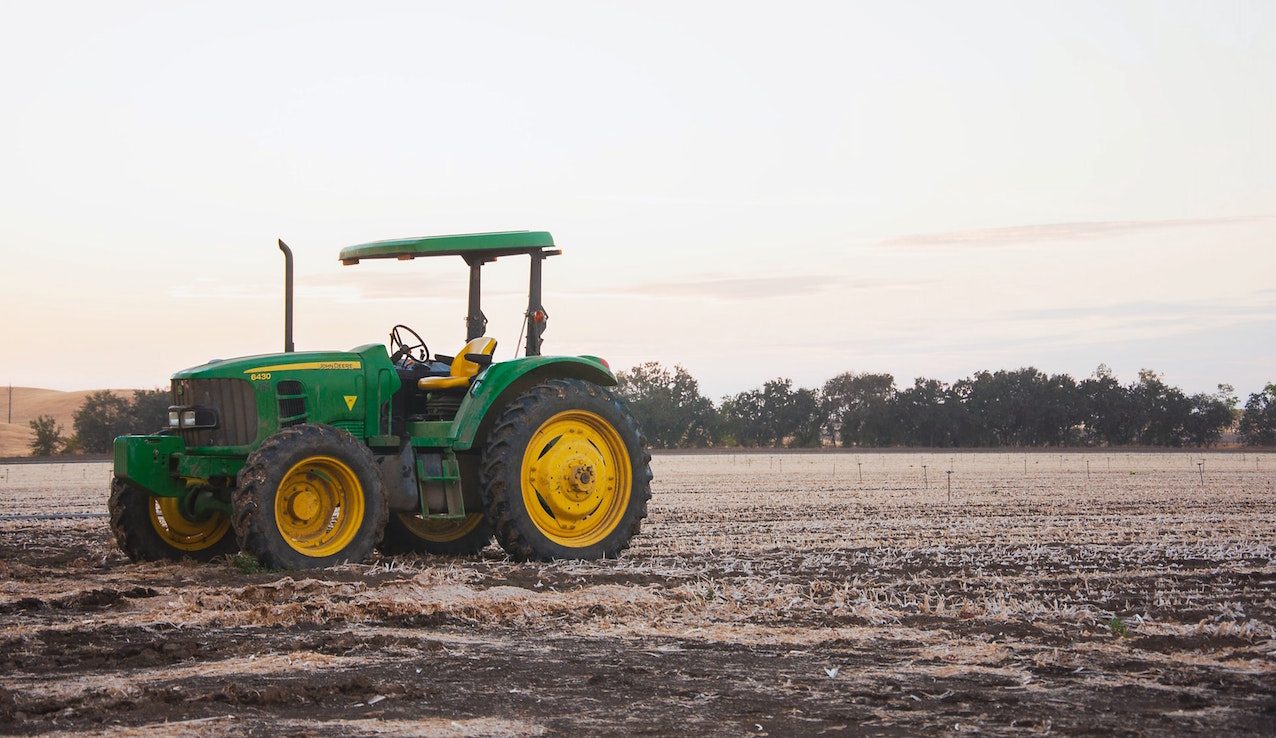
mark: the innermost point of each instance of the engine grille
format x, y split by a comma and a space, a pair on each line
292, 403
236, 408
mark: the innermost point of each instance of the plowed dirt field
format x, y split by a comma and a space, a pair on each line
787, 594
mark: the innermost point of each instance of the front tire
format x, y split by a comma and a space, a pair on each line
565, 474
149, 528
309, 497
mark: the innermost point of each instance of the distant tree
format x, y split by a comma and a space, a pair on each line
72, 445
775, 415
1258, 423
794, 414
48, 436
1163, 410
148, 410
925, 415
1211, 415
982, 412
668, 406
1019, 408
1061, 423
742, 420
1108, 411
1023, 407
103, 416
856, 407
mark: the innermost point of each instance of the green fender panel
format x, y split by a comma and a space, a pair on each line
143, 461
493, 389
160, 464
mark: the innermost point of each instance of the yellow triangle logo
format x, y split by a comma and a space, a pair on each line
350, 400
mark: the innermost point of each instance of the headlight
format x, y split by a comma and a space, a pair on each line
190, 417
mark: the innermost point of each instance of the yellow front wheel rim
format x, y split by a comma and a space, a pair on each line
576, 478
319, 507
440, 531
184, 534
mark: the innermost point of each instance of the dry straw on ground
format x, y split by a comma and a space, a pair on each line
784, 594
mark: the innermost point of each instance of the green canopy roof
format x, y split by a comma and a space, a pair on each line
481, 246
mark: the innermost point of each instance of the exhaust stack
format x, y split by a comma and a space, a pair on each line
288, 347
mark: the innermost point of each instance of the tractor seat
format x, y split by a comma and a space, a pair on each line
476, 355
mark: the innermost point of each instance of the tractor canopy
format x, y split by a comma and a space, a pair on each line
477, 249
473, 247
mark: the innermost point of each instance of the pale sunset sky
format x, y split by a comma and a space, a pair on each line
750, 190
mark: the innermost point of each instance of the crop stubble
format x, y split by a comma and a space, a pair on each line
842, 593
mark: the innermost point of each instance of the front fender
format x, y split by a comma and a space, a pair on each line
492, 390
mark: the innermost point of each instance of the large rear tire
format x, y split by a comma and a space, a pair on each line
309, 497
149, 528
411, 533
566, 474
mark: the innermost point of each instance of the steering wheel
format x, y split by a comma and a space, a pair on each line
400, 348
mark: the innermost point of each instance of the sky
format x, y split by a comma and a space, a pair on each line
747, 190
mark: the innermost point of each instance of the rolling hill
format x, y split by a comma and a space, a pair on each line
30, 403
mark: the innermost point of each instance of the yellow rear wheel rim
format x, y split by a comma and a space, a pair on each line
184, 534
576, 478
440, 531
319, 507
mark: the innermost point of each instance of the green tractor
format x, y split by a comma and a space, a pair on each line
310, 459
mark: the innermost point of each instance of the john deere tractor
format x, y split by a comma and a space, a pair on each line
309, 459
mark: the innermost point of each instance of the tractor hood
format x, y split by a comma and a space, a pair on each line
298, 365
235, 404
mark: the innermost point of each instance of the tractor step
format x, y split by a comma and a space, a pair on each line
440, 473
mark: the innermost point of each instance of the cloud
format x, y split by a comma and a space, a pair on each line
1055, 232
1258, 304
1120, 325
1022, 334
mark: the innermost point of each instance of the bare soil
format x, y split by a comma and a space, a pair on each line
793, 594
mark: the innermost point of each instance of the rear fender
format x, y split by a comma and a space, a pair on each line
496, 387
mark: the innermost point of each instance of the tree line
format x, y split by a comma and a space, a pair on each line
1020, 408
102, 416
